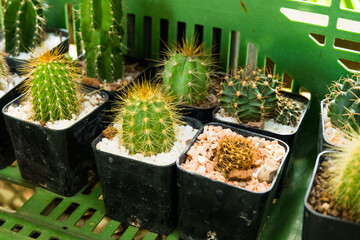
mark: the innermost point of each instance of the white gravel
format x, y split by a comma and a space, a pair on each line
25, 112
182, 133
8, 83
332, 134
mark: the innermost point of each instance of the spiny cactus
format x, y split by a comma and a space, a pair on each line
234, 152
102, 36
52, 87
250, 96
344, 181
344, 99
23, 21
187, 72
288, 112
4, 68
147, 117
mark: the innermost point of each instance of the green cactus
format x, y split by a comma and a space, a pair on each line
344, 181
250, 96
288, 112
52, 87
102, 36
344, 99
147, 117
187, 73
23, 21
234, 152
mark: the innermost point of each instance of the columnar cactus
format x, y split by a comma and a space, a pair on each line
187, 73
102, 36
23, 21
52, 87
147, 117
288, 112
250, 96
344, 99
344, 181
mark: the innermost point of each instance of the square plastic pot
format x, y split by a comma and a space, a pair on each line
210, 207
139, 193
58, 160
323, 144
288, 138
319, 226
15, 63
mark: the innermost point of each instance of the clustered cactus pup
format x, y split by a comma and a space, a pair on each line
102, 36
344, 102
147, 117
23, 22
187, 72
51, 86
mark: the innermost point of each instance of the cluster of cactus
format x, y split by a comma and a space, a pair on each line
234, 152
187, 72
250, 96
288, 112
102, 36
344, 102
23, 22
146, 117
344, 175
52, 87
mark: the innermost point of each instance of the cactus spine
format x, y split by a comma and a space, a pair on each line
250, 96
187, 73
52, 87
147, 117
288, 112
23, 21
344, 181
102, 36
4, 69
344, 108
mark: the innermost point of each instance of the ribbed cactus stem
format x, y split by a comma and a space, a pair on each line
147, 117
23, 21
52, 88
187, 73
102, 36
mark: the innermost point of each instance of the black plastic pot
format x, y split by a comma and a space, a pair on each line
139, 193
319, 226
202, 114
7, 155
323, 144
210, 207
58, 160
15, 64
288, 138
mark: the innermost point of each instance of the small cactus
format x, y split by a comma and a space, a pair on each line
288, 112
344, 99
4, 68
234, 152
344, 181
52, 87
147, 117
187, 73
23, 21
250, 96
102, 36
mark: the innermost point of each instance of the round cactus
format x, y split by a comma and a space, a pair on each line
288, 112
344, 181
187, 73
52, 87
250, 96
24, 22
147, 117
234, 152
344, 99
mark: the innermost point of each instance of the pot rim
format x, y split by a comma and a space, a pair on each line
323, 102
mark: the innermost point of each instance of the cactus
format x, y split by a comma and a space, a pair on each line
147, 117
343, 184
23, 21
344, 99
102, 36
288, 112
187, 72
4, 68
250, 96
52, 87
234, 152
